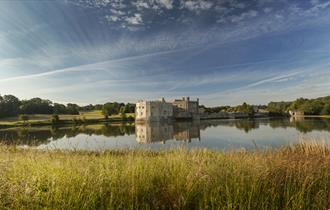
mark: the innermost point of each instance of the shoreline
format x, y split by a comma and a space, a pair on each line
80, 121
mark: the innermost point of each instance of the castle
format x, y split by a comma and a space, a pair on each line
160, 111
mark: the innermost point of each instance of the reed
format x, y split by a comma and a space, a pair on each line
294, 177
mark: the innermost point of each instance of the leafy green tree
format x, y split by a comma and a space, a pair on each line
25, 118
278, 108
296, 105
36, 106
60, 109
9, 106
312, 107
55, 119
123, 116
245, 108
122, 110
326, 109
72, 109
130, 118
110, 108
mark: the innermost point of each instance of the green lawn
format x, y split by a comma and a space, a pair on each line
45, 118
296, 177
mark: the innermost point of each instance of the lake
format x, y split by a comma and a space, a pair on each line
212, 134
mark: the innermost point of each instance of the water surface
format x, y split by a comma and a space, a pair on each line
215, 134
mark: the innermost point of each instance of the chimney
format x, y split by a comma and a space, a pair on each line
163, 99
188, 98
183, 98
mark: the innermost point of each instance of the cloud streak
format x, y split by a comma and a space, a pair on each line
127, 49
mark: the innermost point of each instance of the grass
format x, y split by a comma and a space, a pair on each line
44, 119
296, 177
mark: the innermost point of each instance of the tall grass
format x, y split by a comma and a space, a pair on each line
296, 177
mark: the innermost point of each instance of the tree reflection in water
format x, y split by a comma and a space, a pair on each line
148, 133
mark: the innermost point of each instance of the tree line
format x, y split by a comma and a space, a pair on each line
12, 106
244, 108
318, 106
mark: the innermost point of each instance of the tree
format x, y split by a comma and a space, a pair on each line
245, 108
72, 109
110, 109
60, 109
9, 106
278, 108
312, 107
296, 105
24, 118
123, 116
122, 110
55, 119
36, 106
326, 109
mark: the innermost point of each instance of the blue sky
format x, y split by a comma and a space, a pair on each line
221, 51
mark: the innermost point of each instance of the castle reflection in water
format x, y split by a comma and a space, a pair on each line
214, 132
157, 132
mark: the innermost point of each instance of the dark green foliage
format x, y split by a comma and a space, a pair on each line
311, 107
11, 106
36, 106
24, 118
215, 109
318, 106
60, 109
55, 119
123, 116
326, 109
130, 118
109, 109
77, 121
245, 108
91, 107
72, 109
278, 108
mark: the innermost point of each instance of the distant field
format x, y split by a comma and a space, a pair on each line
36, 117
97, 114
91, 115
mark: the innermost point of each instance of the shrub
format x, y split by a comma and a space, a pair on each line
130, 118
24, 118
55, 119
123, 116
76, 121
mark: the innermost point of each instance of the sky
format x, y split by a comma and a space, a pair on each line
224, 52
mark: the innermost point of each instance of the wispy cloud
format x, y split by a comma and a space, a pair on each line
129, 49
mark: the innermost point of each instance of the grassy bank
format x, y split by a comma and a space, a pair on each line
290, 178
91, 117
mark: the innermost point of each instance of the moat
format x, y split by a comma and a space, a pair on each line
212, 134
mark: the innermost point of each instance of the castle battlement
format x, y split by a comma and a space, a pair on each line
156, 111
